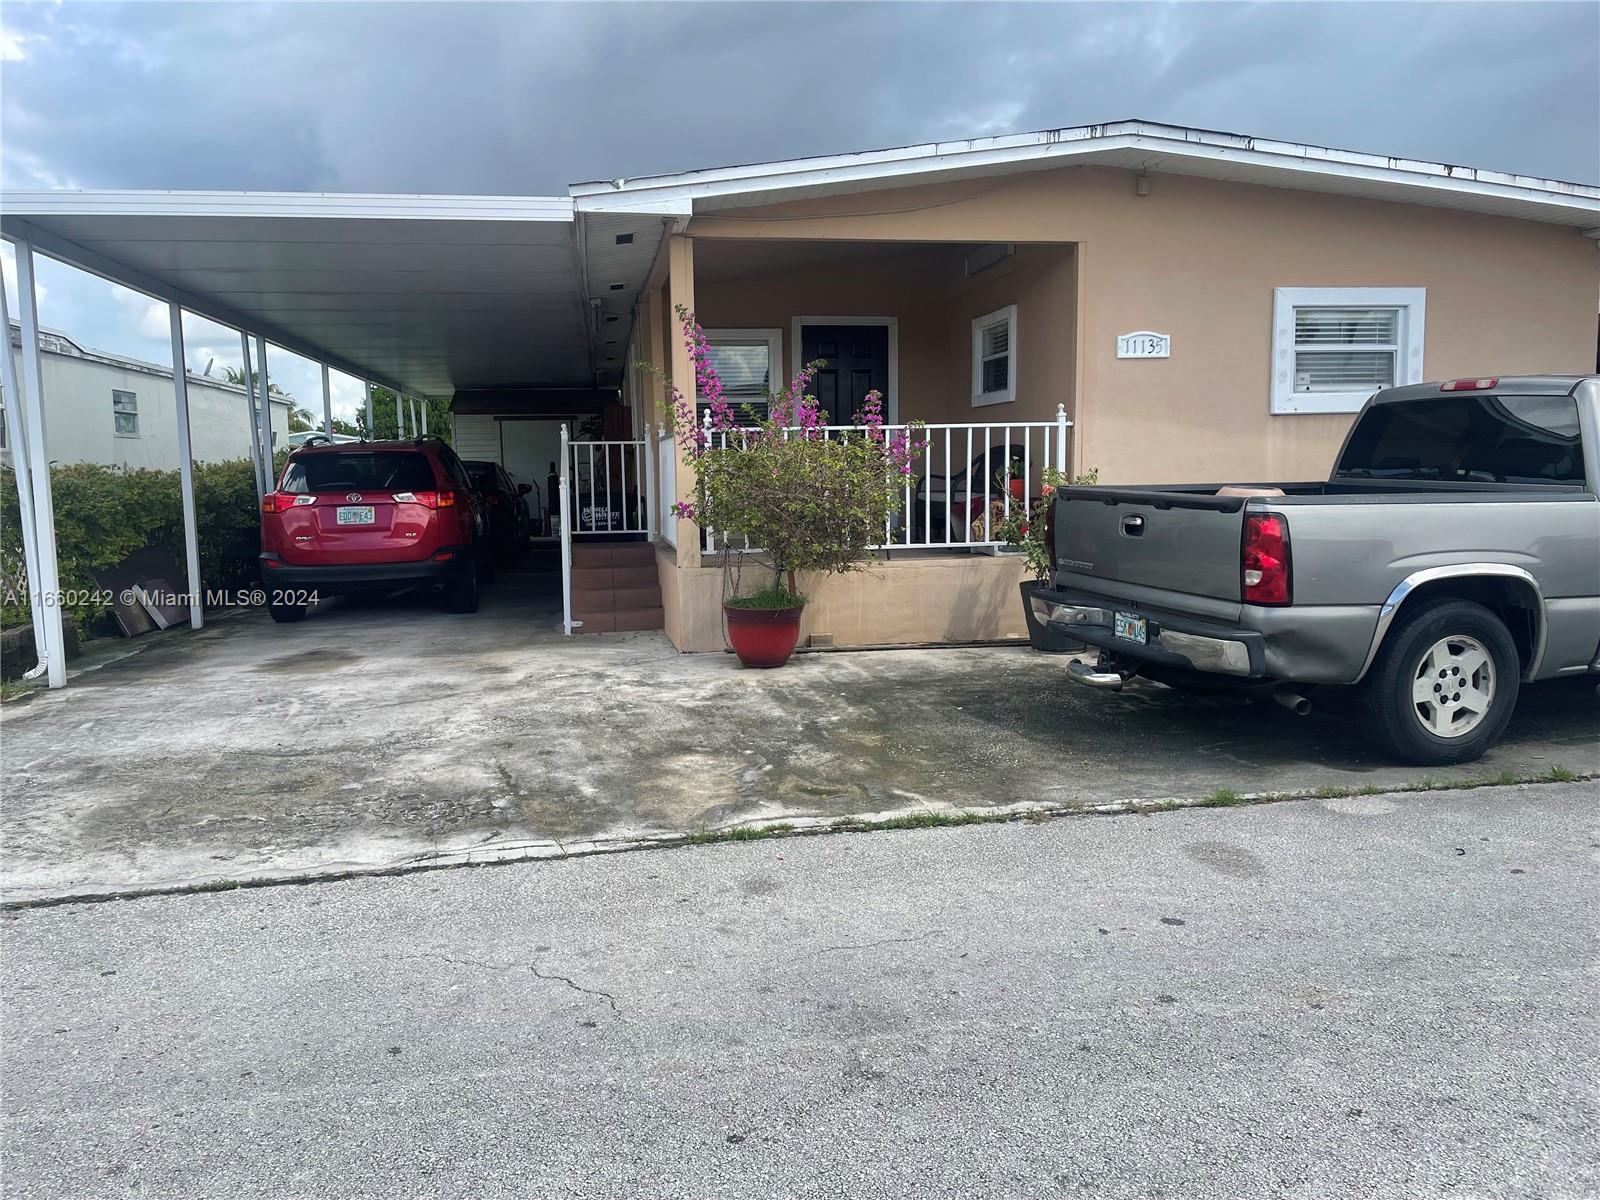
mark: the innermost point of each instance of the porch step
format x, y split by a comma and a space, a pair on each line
590, 578
587, 602
623, 621
620, 554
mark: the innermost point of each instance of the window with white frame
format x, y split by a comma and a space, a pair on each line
1333, 347
994, 357
748, 362
125, 413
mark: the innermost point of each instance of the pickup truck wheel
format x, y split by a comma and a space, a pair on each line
1443, 686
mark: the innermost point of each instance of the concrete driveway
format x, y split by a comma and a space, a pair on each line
390, 735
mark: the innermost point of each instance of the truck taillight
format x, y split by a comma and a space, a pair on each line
1050, 530
1469, 385
1264, 559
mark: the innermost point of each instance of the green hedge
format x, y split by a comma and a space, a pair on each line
103, 514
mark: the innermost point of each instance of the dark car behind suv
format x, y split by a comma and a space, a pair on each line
505, 510
373, 516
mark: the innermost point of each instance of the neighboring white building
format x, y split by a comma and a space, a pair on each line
105, 408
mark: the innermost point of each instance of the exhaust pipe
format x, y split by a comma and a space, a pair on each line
1293, 701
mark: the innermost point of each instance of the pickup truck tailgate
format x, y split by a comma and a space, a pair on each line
1160, 539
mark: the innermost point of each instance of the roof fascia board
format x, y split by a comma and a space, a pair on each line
16, 229
1560, 199
357, 206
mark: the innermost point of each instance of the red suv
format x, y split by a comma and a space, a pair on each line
372, 516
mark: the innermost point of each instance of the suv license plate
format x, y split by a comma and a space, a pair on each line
355, 514
1130, 628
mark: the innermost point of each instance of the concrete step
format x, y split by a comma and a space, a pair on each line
627, 620
590, 578
587, 601
622, 554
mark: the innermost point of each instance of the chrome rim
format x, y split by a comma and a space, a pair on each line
1454, 686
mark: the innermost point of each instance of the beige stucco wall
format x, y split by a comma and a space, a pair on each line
905, 601
934, 304
1199, 259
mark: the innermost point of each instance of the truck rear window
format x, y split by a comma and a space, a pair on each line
1470, 438
379, 471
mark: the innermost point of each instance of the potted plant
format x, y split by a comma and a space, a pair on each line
1024, 529
807, 503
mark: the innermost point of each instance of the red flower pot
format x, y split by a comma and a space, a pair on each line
763, 637
1018, 488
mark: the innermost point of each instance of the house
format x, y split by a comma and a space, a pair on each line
1202, 306
120, 412
1151, 302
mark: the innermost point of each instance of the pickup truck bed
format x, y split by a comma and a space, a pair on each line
1160, 579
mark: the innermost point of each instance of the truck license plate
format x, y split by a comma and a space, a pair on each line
355, 514
1130, 628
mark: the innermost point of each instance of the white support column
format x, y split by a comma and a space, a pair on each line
17, 443
566, 533
372, 432
327, 403
191, 525
399, 416
255, 417
264, 391
45, 580
650, 497
422, 406
1061, 438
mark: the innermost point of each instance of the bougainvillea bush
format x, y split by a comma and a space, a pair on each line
810, 497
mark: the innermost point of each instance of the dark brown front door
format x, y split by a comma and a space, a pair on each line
857, 362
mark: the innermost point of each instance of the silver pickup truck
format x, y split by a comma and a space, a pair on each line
1452, 555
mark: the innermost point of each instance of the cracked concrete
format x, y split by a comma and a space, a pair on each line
391, 736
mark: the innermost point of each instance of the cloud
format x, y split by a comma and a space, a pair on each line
525, 98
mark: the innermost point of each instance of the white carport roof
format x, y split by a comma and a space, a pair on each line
423, 293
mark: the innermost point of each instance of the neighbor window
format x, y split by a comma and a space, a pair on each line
1334, 347
747, 362
125, 413
994, 357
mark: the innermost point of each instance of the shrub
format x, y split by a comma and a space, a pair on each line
103, 514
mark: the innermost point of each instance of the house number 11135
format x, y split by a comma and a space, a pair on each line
1144, 344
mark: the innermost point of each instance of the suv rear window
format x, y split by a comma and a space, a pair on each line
1482, 439
482, 474
374, 471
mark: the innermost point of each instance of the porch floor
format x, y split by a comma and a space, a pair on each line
395, 735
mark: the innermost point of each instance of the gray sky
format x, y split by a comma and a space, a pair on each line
526, 98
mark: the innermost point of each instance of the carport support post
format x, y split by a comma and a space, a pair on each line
566, 535
19, 465
45, 580
255, 419
399, 415
372, 433
264, 391
327, 403
191, 532
422, 407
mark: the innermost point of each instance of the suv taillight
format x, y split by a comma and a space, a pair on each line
426, 499
1264, 559
277, 502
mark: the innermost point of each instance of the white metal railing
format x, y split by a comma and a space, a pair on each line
665, 493
606, 488
966, 479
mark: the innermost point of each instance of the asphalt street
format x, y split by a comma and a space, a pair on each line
1389, 996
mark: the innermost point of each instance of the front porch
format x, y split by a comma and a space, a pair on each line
974, 341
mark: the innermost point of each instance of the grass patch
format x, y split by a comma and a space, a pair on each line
1223, 798
10, 689
1559, 775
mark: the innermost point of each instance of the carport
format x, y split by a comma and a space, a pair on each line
423, 295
